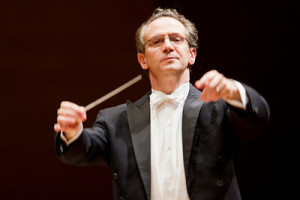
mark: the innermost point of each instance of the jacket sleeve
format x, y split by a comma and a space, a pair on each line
250, 123
92, 146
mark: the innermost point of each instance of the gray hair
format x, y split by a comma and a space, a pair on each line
192, 32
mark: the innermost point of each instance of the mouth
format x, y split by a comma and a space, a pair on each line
171, 58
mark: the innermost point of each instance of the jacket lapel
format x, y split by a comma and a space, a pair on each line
191, 111
139, 124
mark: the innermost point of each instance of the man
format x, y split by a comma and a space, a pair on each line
175, 142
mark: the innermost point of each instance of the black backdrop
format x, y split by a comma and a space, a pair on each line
79, 50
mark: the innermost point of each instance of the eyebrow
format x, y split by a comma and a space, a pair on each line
173, 33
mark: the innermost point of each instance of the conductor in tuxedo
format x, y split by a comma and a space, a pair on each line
178, 141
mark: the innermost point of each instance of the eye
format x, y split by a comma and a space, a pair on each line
176, 38
157, 41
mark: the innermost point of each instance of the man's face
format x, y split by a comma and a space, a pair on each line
169, 56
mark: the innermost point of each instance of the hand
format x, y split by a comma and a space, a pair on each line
69, 119
216, 86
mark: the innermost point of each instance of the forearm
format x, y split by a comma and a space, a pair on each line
87, 149
249, 123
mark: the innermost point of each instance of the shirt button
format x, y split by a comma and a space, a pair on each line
220, 183
115, 176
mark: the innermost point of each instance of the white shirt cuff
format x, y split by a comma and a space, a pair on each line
239, 104
69, 141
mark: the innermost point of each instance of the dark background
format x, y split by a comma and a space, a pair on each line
80, 50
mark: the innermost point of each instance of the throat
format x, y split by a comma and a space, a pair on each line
168, 84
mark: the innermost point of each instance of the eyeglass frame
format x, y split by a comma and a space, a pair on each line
164, 38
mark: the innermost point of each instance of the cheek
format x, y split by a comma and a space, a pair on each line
150, 57
183, 52
185, 55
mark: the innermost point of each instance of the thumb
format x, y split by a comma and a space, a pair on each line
57, 127
200, 84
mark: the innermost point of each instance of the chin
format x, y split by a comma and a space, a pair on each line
174, 67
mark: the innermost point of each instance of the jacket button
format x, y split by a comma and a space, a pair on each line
115, 176
221, 159
220, 183
122, 198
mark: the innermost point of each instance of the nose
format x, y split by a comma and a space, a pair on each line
167, 46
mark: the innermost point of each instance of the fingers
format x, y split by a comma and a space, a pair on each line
70, 114
211, 84
69, 118
57, 127
206, 79
72, 109
215, 86
66, 121
202, 82
69, 130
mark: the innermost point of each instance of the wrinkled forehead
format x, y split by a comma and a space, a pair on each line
164, 26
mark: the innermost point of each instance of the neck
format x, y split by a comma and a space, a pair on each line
169, 83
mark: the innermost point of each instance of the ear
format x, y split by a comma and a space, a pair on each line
193, 53
142, 61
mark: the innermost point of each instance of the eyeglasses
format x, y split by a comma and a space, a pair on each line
175, 39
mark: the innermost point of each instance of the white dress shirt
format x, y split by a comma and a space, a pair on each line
167, 168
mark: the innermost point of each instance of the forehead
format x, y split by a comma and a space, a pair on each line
164, 25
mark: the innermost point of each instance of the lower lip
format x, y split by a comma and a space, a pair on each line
170, 59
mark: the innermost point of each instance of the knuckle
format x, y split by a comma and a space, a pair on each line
82, 109
72, 121
58, 118
63, 104
227, 84
221, 76
215, 71
211, 85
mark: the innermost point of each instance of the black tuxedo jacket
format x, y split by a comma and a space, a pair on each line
211, 132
